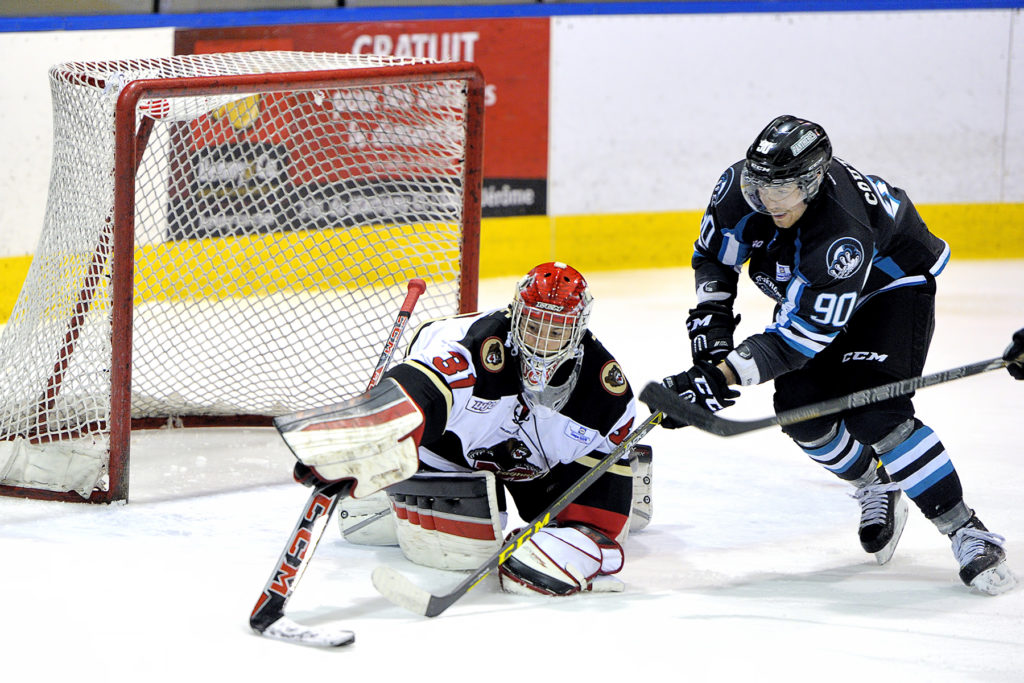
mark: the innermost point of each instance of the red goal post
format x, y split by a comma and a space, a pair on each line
227, 238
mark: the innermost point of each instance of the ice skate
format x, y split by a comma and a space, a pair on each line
883, 514
982, 558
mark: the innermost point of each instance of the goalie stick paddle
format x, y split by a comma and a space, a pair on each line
661, 398
268, 616
397, 588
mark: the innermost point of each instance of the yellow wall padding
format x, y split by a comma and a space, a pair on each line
511, 246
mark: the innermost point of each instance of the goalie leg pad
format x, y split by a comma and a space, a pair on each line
447, 520
640, 461
370, 439
368, 521
561, 561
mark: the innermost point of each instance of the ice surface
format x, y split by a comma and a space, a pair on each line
750, 569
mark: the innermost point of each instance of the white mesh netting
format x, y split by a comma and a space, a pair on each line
275, 231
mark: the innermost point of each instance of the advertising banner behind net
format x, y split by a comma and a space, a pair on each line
302, 160
512, 53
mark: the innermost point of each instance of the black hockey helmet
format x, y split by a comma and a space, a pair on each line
788, 150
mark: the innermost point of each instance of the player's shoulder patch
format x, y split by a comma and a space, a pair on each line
723, 185
492, 354
613, 380
844, 257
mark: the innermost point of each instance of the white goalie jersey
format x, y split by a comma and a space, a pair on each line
464, 374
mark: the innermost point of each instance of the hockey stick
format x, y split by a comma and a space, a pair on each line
268, 616
397, 588
659, 397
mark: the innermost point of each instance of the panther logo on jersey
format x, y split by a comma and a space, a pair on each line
508, 460
844, 258
492, 354
613, 380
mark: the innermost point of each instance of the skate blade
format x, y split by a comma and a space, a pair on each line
899, 521
996, 580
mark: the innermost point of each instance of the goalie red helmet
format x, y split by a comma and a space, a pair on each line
550, 314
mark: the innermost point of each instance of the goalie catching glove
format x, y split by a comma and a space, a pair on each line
703, 385
370, 440
562, 561
711, 326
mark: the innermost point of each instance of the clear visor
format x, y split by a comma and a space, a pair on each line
776, 196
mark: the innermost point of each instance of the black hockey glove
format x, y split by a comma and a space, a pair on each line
711, 326
1014, 355
703, 385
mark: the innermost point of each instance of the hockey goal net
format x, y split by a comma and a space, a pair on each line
228, 237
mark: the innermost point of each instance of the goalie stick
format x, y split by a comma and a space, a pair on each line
397, 588
268, 616
659, 397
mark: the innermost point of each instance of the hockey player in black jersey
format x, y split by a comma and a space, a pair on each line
521, 401
852, 269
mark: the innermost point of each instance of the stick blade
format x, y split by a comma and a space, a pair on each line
399, 590
294, 632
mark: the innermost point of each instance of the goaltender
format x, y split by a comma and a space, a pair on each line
521, 401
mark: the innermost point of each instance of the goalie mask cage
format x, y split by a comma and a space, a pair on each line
228, 237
